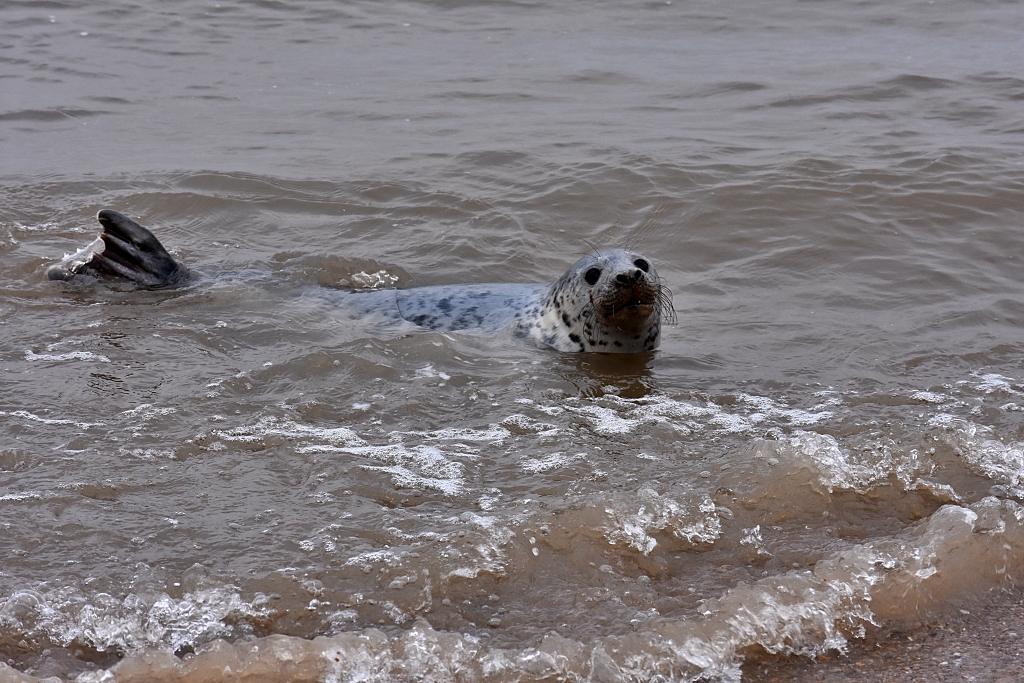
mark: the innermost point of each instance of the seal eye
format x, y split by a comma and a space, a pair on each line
642, 264
592, 276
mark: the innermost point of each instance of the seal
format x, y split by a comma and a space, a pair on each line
609, 301
124, 250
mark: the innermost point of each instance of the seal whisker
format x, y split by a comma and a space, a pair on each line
665, 306
594, 249
587, 310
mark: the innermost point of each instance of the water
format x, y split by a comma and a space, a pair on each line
235, 474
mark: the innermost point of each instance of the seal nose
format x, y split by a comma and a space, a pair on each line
625, 278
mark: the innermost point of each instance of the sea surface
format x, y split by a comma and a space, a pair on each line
235, 478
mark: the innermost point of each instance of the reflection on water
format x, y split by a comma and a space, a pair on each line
595, 374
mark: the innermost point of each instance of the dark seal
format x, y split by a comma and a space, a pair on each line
125, 250
609, 301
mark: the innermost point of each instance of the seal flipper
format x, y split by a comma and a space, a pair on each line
130, 252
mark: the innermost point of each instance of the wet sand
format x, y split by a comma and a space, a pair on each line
983, 646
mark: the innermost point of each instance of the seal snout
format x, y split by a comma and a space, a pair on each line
633, 289
629, 278
630, 303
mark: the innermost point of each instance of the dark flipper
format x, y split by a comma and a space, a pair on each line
128, 251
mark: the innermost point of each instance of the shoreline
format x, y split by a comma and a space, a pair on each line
985, 645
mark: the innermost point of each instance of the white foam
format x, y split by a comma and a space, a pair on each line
929, 397
25, 415
552, 461
632, 519
388, 557
495, 435
142, 415
993, 458
524, 424
433, 470
752, 537
942, 420
70, 262
409, 466
147, 411
380, 279
607, 421
328, 438
136, 622
23, 495
73, 355
148, 453
621, 416
992, 383
428, 371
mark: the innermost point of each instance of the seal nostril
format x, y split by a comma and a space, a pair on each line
623, 278
638, 275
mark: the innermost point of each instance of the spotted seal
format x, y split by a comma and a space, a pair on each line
609, 301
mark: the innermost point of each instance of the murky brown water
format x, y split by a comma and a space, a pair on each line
830, 437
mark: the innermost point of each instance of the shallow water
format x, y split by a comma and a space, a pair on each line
237, 474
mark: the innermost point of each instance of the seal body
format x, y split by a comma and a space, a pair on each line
609, 301
463, 307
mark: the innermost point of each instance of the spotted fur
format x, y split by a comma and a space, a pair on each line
621, 311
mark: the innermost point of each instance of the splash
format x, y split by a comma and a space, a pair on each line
806, 612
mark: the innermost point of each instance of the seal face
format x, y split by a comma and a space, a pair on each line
611, 301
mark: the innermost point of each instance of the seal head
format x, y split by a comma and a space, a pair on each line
611, 301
